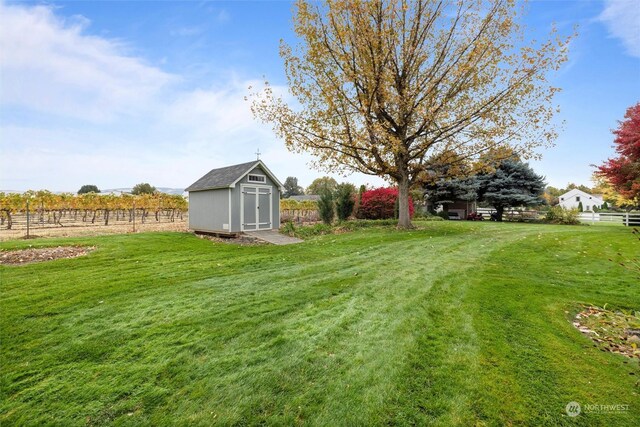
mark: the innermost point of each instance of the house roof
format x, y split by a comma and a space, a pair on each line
305, 197
228, 176
577, 192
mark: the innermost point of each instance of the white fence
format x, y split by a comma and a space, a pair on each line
512, 214
622, 218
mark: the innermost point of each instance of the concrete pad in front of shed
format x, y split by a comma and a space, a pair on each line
274, 237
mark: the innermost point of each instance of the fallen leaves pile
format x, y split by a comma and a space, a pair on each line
613, 331
31, 255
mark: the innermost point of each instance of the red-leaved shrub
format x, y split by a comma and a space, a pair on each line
380, 203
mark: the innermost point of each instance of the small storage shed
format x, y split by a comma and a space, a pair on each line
233, 199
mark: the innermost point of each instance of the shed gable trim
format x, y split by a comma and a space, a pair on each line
220, 177
228, 177
265, 169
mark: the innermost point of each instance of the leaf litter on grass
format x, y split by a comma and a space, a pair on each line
613, 331
31, 255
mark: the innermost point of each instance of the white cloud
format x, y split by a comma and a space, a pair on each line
187, 31
223, 16
91, 113
622, 18
47, 64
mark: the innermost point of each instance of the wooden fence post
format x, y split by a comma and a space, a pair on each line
27, 218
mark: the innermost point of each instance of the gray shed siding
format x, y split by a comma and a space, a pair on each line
237, 194
209, 210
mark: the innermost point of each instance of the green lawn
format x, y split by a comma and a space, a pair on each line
457, 323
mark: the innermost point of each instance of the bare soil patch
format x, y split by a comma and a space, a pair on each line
240, 240
612, 331
31, 255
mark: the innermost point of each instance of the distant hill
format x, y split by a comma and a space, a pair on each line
117, 191
167, 190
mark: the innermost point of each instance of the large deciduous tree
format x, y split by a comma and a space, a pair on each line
382, 85
88, 188
143, 188
610, 196
320, 185
512, 184
623, 172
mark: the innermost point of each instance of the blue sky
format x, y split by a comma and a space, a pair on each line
114, 93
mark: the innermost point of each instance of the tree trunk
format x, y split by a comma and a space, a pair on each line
404, 220
499, 212
9, 220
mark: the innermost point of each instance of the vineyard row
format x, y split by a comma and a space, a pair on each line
45, 208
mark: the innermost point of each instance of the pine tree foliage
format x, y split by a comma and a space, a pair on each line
326, 206
513, 184
345, 200
450, 190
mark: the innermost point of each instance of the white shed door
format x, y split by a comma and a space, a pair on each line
256, 208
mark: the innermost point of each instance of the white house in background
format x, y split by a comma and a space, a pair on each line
572, 198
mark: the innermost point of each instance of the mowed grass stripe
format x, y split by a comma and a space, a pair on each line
532, 359
369, 327
322, 283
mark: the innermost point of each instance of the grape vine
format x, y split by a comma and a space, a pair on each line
49, 209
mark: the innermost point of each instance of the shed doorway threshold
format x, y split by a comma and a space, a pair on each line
273, 237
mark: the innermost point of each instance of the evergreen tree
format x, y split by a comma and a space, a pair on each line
445, 191
326, 208
512, 184
345, 200
580, 207
291, 187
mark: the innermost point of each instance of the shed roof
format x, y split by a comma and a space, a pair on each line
229, 176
